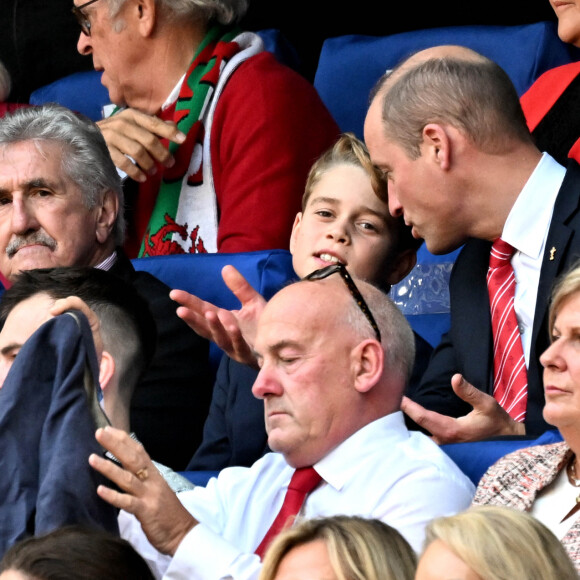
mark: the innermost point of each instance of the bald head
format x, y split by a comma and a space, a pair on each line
323, 373
453, 85
443, 51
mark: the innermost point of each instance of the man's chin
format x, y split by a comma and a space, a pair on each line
30, 258
439, 247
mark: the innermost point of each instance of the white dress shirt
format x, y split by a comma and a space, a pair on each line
382, 471
526, 229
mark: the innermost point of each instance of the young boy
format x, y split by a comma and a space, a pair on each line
344, 218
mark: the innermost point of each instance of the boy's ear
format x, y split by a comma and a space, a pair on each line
402, 264
295, 230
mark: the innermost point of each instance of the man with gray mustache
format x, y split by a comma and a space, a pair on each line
39, 238
61, 204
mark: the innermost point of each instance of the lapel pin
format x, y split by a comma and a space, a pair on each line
552, 252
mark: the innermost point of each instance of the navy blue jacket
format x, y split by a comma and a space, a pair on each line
47, 433
468, 348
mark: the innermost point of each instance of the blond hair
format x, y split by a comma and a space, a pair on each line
351, 151
565, 288
500, 543
348, 150
359, 548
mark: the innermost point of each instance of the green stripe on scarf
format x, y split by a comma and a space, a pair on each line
168, 197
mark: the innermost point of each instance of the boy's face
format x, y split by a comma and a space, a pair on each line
344, 221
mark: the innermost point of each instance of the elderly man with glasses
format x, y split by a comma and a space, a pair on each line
332, 374
216, 135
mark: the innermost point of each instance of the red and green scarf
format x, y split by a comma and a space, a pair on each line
185, 215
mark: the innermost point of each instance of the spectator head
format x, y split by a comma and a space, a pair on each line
560, 360
568, 16
494, 543
345, 218
325, 370
125, 39
126, 325
340, 547
60, 194
438, 122
73, 552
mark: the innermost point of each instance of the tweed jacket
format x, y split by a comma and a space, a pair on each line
516, 479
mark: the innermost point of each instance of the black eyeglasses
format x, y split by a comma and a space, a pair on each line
82, 18
352, 288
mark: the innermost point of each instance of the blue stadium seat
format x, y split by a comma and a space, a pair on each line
349, 66
474, 458
81, 92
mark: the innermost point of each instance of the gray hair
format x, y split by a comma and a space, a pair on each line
85, 159
221, 11
397, 336
474, 95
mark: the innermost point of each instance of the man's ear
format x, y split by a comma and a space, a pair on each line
106, 216
368, 360
436, 145
295, 230
106, 370
402, 264
146, 16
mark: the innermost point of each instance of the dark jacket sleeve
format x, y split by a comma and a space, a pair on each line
47, 434
234, 433
433, 391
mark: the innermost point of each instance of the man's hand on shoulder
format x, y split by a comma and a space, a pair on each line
486, 420
136, 135
75, 303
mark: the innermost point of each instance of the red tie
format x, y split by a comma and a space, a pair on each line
304, 480
510, 380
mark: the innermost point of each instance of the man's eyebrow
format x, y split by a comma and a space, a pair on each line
36, 183
9, 348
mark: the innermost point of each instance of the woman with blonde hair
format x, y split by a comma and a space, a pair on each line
545, 479
340, 548
492, 543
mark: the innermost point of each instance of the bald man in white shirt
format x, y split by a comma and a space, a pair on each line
333, 371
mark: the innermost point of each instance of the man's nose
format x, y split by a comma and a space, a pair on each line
23, 217
84, 45
4, 368
266, 383
395, 207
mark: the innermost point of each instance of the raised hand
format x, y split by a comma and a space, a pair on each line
233, 331
486, 420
